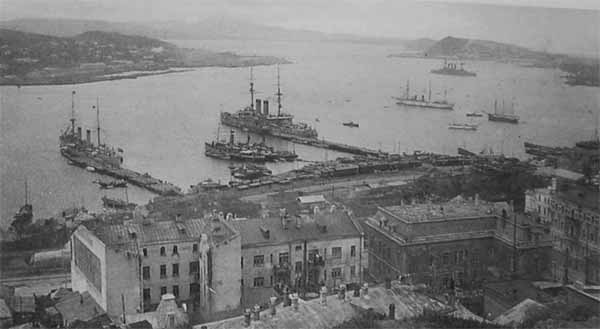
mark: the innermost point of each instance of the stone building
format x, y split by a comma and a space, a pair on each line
457, 243
129, 266
325, 248
573, 214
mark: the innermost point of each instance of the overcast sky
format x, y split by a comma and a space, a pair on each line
553, 29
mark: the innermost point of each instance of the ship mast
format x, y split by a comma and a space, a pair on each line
495, 106
251, 89
73, 112
98, 119
430, 90
407, 89
279, 94
26, 192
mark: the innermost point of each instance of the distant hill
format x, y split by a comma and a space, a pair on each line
211, 28
482, 50
121, 40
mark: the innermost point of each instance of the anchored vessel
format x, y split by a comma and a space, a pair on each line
82, 151
474, 114
417, 101
247, 152
462, 126
503, 115
257, 119
452, 69
350, 124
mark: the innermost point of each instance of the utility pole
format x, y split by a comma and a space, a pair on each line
515, 251
98, 118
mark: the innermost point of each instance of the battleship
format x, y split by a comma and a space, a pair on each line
73, 146
452, 69
416, 101
256, 118
246, 152
503, 116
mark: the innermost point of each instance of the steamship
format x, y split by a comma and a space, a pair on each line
416, 101
452, 69
257, 119
503, 115
82, 152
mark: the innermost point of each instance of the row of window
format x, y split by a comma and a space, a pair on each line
284, 257
336, 273
194, 290
174, 250
194, 268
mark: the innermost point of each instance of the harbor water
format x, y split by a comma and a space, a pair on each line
163, 121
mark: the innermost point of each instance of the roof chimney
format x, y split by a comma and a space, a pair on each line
258, 102
266, 107
265, 232
178, 217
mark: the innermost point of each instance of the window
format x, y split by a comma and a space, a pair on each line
445, 258
176, 291
195, 247
352, 270
194, 267
336, 273
194, 288
146, 293
284, 258
146, 272
352, 251
259, 261
175, 270
242, 262
163, 271
259, 282
145, 252
162, 251
366, 242
298, 267
324, 275
336, 252
171, 319
163, 290
271, 280
175, 251
298, 247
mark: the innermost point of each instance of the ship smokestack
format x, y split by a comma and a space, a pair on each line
258, 101
266, 107
88, 136
79, 133
231, 137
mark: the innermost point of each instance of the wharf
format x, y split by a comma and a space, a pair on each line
144, 181
321, 143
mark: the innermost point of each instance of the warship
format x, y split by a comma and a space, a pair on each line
416, 101
452, 69
503, 115
246, 152
256, 118
83, 152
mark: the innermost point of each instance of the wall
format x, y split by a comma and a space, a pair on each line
79, 281
124, 279
226, 276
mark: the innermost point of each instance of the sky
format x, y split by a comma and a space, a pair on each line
546, 26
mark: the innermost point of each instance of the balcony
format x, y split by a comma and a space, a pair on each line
282, 269
316, 260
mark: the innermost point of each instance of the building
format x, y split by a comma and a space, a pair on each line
6, 319
573, 214
301, 253
456, 243
127, 267
167, 315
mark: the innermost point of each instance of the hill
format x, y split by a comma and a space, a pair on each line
482, 50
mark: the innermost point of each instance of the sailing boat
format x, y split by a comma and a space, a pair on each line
508, 117
415, 101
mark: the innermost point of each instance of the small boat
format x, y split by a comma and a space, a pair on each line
90, 168
474, 114
350, 124
117, 203
462, 126
111, 184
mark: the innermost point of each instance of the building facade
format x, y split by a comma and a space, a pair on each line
457, 243
129, 266
573, 214
300, 254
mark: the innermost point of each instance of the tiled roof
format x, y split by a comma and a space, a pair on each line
160, 231
457, 208
312, 314
78, 307
338, 223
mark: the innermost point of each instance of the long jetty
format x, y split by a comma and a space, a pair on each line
321, 143
144, 181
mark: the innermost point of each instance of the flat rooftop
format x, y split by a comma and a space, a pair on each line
457, 208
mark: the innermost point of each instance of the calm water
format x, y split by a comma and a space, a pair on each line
162, 121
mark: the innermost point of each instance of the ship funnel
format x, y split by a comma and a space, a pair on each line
79, 133
258, 105
266, 107
88, 136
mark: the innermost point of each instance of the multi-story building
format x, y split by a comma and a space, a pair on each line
459, 242
127, 267
573, 213
301, 253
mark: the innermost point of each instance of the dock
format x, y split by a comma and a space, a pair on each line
144, 181
321, 143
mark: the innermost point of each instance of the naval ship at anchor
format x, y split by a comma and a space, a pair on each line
256, 118
416, 101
